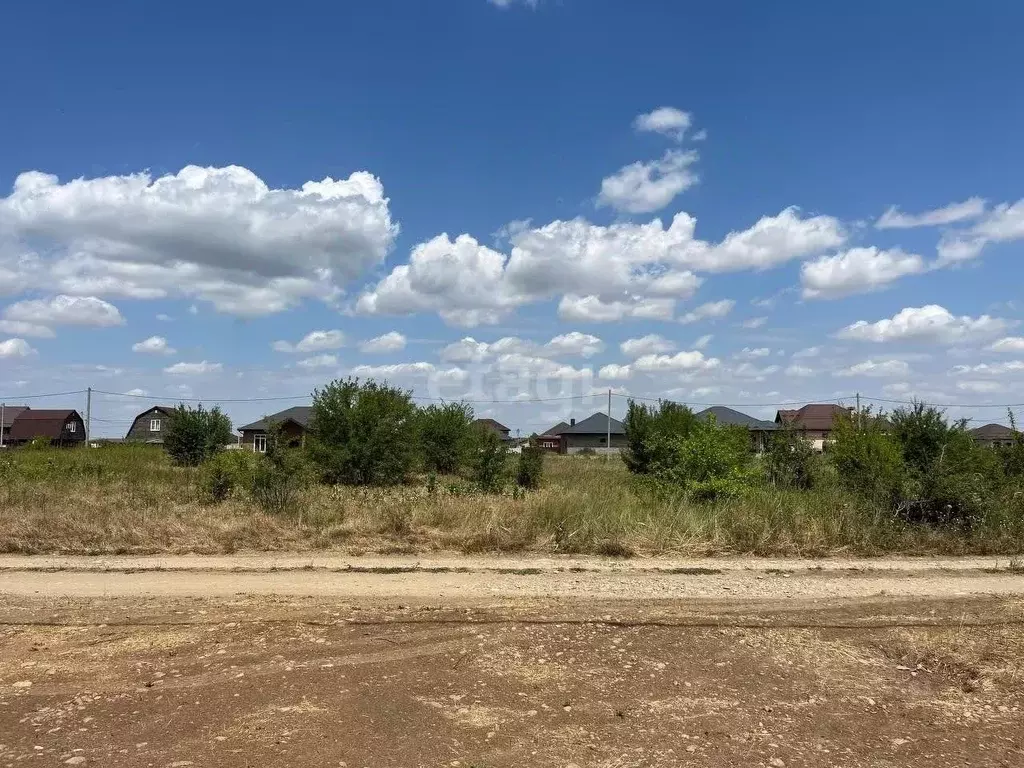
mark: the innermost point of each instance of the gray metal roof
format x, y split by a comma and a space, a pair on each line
300, 414
11, 412
595, 425
730, 417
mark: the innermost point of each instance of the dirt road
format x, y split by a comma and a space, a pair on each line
485, 662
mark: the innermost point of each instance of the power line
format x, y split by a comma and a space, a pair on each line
943, 405
38, 397
735, 405
310, 397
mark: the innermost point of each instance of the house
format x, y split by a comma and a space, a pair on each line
496, 426
293, 423
760, 431
551, 440
150, 425
994, 435
592, 433
7, 415
814, 421
60, 427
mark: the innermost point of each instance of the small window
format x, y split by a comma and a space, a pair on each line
604, 440
71, 426
259, 443
154, 425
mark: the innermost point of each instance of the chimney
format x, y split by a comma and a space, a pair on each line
572, 422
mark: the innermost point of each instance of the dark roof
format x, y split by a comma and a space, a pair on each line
495, 425
733, 418
11, 412
993, 432
595, 425
300, 414
812, 416
33, 423
556, 430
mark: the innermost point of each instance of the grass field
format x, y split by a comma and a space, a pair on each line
125, 499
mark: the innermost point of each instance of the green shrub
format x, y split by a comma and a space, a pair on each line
868, 461
278, 479
530, 467
710, 462
362, 433
226, 471
490, 460
195, 434
446, 436
650, 430
789, 460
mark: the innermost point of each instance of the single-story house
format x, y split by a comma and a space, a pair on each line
592, 433
150, 425
759, 429
813, 421
994, 435
496, 426
551, 440
293, 423
60, 427
8, 413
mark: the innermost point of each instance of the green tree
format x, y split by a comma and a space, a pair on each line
362, 433
922, 432
710, 461
490, 459
789, 459
867, 460
530, 467
195, 434
651, 430
446, 436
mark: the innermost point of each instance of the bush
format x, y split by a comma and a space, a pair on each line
279, 476
650, 430
195, 434
226, 471
530, 468
446, 436
710, 462
362, 433
490, 459
789, 460
867, 460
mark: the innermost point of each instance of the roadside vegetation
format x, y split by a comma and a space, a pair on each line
379, 474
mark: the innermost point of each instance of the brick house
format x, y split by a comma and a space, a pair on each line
293, 423
814, 422
592, 434
551, 440
994, 435
150, 426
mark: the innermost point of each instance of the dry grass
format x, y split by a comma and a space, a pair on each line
128, 499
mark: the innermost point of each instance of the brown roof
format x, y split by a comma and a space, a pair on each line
11, 413
993, 432
812, 416
497, 426
40, 423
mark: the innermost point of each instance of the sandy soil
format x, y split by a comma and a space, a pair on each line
473, 664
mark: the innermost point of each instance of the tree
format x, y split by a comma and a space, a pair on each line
530, 468
650, 429
195, 434
867, 460
446, 436
490, 459
922, 432
789, 459
710, 461
362, 433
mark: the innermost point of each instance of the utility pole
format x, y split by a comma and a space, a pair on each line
608, 439
2, 406
88, 415
858, 410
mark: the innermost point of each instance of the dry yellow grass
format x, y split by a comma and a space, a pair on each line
130, 500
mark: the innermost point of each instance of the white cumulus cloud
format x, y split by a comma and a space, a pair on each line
893, 218
652, 344
154, 345
680, 361
21, 328
574, 344
931, 323
713, 309
193, 369
314, 341
15, 348
857, 270
647, 187
880, 368
65, 310
595, 310
668, 121
392, 341
614, 372
318, 361
1008, 344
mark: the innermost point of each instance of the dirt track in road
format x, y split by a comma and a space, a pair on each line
611, 666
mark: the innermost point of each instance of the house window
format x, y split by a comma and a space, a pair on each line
154, 425
259, 443
71, 426
603, 440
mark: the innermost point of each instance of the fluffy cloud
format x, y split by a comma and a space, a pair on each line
931, 323
681, 362
880, 368
1007, 344
1003, 223
799, 371
748, 353
857, 270
651, 344
594, 310
668, 121
751, 371
984, 369
65, 310
314, 341
615, 372
648, 187
893, 218
15, 348
713, 309
574, 344
388, 342
21, 328
218, 234
318, 361
981, 387
154, 345
193, 369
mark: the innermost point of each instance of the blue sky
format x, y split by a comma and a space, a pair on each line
551, 179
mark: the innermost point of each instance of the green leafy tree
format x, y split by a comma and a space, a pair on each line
530, 467
446, 436
280, 475
651, 430
490, 460
193, 435
867, 460
922, 433
789, 459
362, 433
709, 462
